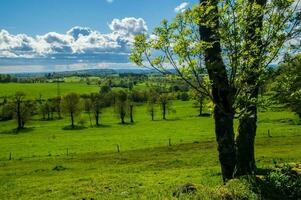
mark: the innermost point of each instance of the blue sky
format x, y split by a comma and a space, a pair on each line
65, 34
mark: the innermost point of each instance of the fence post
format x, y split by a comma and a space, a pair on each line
269, 133
169, 142
9, 156
67, 152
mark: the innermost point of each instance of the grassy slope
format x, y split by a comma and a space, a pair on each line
146, 168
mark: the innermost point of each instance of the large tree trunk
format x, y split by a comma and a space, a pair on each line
245, 141
225, 140
222, 93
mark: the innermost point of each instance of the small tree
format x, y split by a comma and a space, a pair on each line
98, 102
22, 109
121, 105
71, 105
164, 100
287, 86
132, 98
152, 100
88, 108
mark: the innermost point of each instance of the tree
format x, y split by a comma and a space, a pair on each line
287, 86
164, 100
98, 102
88, 108
71, 105
233, 42
121, 105
152, 100
131, 104
198, 101
22, 109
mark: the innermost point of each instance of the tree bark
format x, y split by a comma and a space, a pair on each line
245, 142
222, 93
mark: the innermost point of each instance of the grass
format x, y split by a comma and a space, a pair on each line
49, 162
46, 90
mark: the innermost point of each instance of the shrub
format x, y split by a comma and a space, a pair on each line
283, 183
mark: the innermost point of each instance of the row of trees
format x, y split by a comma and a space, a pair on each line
72, 105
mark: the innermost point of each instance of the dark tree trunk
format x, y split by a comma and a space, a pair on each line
164, 111
245, 143
131, 113
122, 114
72, 119
19, 115
89, 114
201, 108
248, 121
122, 119
153, 115
225, 140
222, 93
97, 118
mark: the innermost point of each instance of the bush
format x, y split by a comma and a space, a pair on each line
283, 183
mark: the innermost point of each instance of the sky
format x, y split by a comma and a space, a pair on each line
59, 35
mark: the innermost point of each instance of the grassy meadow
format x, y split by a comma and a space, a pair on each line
47, 161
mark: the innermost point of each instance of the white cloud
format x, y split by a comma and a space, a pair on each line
128, 26
182, 7
110, 1
78, 41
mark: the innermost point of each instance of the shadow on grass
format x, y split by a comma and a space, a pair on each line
171, 120
126, 123
16, 131
101, 126
205, 115
70, 128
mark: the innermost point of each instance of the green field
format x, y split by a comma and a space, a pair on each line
46, 90
49, 162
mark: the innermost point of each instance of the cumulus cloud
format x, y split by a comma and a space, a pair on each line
182, 7
128, 26
78, 41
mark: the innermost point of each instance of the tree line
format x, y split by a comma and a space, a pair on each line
71, 105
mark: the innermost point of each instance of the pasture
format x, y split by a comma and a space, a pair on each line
46, 161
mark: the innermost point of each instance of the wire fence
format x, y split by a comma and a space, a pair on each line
113, 147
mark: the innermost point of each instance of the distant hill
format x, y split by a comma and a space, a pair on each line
86, 72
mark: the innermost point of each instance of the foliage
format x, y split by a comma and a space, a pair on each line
72, 106
287, 86
180, 46
121, 105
